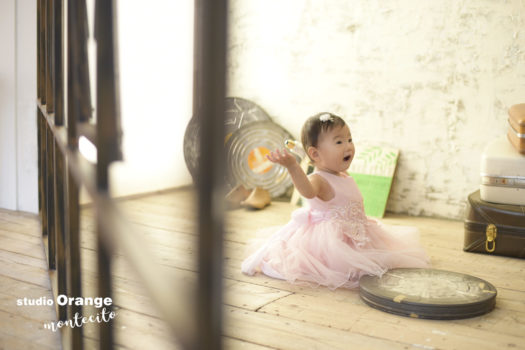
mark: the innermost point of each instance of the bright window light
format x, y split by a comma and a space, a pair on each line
87, 149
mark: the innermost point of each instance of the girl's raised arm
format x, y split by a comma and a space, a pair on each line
306, 188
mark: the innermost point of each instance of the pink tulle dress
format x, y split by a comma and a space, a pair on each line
333, 243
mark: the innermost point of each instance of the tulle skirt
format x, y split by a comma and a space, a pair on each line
325, 253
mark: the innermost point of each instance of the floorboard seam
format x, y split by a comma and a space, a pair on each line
272, 301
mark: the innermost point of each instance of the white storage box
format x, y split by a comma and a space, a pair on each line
502, 173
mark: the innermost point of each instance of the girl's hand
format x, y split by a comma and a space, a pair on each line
283, 158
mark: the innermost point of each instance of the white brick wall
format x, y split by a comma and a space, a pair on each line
433, 78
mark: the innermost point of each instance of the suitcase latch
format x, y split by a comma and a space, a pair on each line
491, 233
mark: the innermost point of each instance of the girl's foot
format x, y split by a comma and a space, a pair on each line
258, 199
238, 194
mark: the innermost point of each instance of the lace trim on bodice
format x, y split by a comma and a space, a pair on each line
351, 217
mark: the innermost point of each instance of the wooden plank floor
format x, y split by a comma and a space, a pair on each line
24, 274
263, 313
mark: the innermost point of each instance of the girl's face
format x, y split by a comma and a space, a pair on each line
335, 150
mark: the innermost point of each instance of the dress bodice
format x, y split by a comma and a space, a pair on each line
345, 209
347, 200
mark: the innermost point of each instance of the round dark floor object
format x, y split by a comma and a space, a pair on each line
428, 293
237, 113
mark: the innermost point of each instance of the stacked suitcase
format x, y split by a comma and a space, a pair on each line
516, 131
495, 216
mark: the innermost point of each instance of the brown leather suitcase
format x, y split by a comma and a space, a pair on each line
516, 132
492, 228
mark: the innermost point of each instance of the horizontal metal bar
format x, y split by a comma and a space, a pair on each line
174, 297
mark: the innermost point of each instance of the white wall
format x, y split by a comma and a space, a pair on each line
433, 78
156, 55
8, 197
155, 58
156, 72
26, 133
18, 156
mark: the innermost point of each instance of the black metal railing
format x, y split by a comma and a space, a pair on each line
195, 315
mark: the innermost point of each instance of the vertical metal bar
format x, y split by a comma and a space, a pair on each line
60, 172
59, 194
108, 109
50, 202
38, 51
42, 183
73, 217
58, 64
85, 105
73, 92
50, 57
106, 330
42, 50
73, 256
40, 119
108, 136
78, 56
210, 61
39, 160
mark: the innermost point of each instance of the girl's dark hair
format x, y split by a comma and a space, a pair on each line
316, 124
